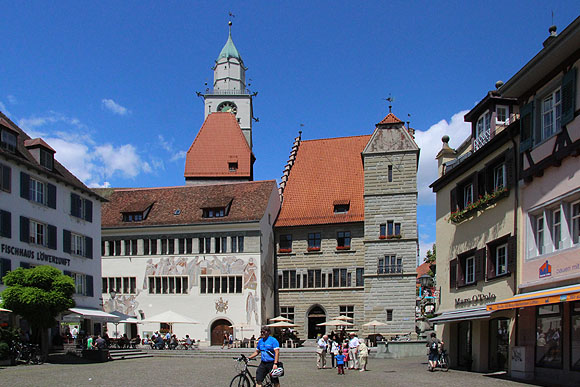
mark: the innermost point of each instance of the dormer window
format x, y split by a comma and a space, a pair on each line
482, 130
8, 140
133, 216
46, 159
233, 166
341, 206
502, 114
218, 212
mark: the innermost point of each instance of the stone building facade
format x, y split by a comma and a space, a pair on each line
347, 245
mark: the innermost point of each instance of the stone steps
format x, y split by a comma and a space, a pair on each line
124, 354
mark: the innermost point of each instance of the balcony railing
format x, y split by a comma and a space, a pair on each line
227, 92
482, 139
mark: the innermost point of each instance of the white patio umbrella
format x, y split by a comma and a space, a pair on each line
336, 323
374, 324
282, 324
242, 327
5, 310
170, 318
344, 318
280, 318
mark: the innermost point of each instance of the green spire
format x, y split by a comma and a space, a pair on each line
230, 50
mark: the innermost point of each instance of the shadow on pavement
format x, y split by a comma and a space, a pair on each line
504, 376
67, 359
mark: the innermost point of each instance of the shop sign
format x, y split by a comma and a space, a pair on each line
32, 254
475, 299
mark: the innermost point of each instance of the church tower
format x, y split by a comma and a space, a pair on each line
229, 93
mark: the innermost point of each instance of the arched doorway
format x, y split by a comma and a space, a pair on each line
316, 316
218, 328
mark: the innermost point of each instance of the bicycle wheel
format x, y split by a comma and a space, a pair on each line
445, 363
37, 358
240, 381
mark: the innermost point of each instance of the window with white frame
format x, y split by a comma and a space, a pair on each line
539, 233
551, 112
467, 195
499, 177
557, 228
502, 114
287, 312
8, 140
38, 233
575, 222
483, 125
37, 191
347, 310
78, 244
501, 253
470, 270
80, 283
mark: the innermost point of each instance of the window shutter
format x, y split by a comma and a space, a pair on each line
51, 231
74, 205
453, 206
475, 182
526, 126
5, 267
510, 169
66, 241
453, 274
6, 177
491, 263
5, 224
568, 96
25, 265
90, 290
89, 247
24, 186
51, 195
88, 210
479, 264
24, 230
481, 181
66, 272
512, 254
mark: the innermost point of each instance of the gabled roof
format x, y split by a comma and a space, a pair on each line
220, 141
390, 119
249, 201
23, 156
325, 172
38, 142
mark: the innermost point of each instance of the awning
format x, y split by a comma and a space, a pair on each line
463, 314
542, 297
93, 314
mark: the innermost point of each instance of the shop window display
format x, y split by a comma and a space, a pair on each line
549, 336
575, 332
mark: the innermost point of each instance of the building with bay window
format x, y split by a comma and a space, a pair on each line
346, 236
49, 217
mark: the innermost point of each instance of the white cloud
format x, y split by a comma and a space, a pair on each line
94, 164
430, 143
114, 107
167, 145
178, 156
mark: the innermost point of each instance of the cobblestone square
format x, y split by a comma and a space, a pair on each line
192, 371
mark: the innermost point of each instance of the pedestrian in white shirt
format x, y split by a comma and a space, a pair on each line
321, 352
353, 351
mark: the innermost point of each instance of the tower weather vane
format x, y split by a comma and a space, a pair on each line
391, 100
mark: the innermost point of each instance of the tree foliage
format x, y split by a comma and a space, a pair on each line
431, 257
38, 294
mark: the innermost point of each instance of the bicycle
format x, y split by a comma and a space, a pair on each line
244, 376
26, 353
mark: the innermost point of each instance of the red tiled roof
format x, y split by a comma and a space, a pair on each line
423, 269
38, 142
249, 201
390, 119
325, 172
219, 142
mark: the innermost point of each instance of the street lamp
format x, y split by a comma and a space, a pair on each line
425, 280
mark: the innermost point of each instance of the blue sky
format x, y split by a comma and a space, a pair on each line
111, 85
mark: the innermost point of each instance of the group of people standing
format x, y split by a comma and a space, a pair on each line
352, 353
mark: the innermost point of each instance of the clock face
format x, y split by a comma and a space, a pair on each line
228, 107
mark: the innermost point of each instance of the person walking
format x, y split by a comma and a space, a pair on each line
363, 353
321, 352
353, 351
334, 350
433, 344
269, 348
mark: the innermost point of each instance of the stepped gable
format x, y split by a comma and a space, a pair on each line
325, 173
247, 201
220, 141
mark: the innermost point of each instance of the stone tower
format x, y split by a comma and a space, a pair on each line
230, 93
390, 229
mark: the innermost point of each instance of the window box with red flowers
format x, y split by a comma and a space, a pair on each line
382, 237
313, 249
282, 251
479, 205
343, 247
396, 236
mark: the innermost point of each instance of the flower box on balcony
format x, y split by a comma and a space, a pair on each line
343, 247
397, 236
285, 251
480, 204
313, 249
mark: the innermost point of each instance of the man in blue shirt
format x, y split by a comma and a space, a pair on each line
269, 348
